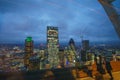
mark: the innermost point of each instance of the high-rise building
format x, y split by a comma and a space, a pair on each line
52, 46
85, 44
28, 51
42, 58
83, 55
34, 62
72, 52
71, 42
85, 47
62, 57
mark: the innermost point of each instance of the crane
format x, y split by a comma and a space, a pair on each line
112, 14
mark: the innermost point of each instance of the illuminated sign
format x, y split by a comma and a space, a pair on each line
29, 39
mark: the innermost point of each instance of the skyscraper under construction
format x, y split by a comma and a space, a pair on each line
52, 46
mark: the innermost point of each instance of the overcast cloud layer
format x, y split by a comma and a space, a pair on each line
22, 18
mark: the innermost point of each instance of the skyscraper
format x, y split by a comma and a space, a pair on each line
85, 44
52, 46
72, 52
71, 42
85, 47
28, 51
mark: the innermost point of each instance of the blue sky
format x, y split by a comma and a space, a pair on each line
22, 18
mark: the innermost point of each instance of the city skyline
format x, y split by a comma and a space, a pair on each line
20, 19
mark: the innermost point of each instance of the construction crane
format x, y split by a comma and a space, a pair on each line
112, 14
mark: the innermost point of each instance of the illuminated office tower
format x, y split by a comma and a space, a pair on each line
42, 58
52, 46
28, 51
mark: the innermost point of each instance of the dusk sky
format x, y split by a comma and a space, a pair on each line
22, 18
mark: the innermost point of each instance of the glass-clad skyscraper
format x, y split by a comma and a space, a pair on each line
52, 46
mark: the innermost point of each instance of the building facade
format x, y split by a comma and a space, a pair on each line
72, 52
52, 46
85, 44
28, 51
85, 48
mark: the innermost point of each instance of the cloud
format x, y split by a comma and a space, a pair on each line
22, 18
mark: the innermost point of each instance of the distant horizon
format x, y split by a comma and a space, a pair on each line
66, 43
44, 42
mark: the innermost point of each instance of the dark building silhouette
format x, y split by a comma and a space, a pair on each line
71, 42
85, 47
85, 44
83, 55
